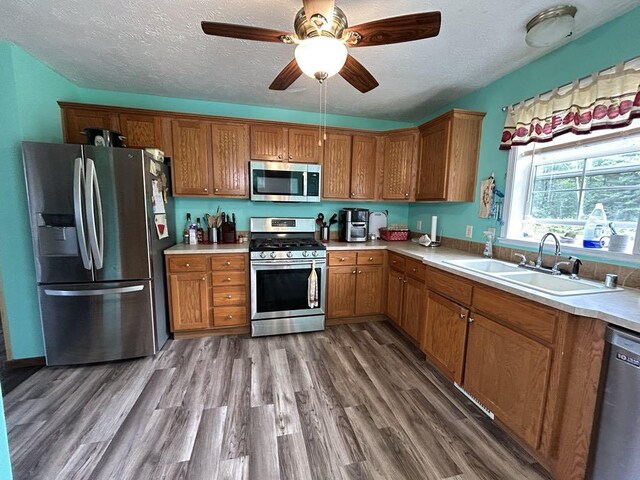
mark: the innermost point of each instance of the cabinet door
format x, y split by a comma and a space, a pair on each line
336, 170
509, 373
191, 157
413, 307
445, 335
142, 131
267, 143
394, 296
230, 154
363, 168
189, 301
304, 145
341, 291
433, 166
369, 290
398, 167
76, 120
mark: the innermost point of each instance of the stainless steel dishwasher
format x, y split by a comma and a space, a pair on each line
617, 442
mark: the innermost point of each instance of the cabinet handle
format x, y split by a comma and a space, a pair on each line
415, 270
187, 265
290, 157
371, 259
228, 279
393, 261
229, 317
471, 320
342, 259
205, 189
353, 273
406, 194
229, 296
280, 156
462, 315
404, 281
359, 271
204, 278
215, 190
227, 263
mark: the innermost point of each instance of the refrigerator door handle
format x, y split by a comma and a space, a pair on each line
94, 205
78, 183
95, 292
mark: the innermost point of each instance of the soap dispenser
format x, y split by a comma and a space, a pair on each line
488, 244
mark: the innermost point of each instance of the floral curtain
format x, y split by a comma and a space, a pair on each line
607, 99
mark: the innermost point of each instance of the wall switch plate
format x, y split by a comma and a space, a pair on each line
469, 231
419, 225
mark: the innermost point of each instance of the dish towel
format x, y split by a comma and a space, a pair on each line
312, 286
486, 197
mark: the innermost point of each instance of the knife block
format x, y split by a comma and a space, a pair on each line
227, 233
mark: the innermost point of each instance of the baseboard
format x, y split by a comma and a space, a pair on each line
329, 322
240, 330
25, 362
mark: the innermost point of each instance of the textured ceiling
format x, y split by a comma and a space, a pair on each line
157, 47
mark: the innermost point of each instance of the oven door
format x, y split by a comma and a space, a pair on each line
278, 182
279, 288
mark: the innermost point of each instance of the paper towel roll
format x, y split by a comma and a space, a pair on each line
434, 227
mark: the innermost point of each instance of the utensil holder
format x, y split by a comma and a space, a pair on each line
324, 234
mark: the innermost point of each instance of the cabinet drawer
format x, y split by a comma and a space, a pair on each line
416, 269
396, 261
219, 279
229, 316
187, 263
225, 296
530, 317
371, 257
337, 259
449, 286
228, 262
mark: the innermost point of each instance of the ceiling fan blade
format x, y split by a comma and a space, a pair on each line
319, 7
358, 76
244, 32
397, 29
287, 76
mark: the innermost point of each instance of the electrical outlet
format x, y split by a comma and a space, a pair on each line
419, 225
469, 231
492, 231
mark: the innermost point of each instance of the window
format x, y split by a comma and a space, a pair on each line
554, 187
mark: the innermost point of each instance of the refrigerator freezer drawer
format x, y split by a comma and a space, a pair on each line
97, 322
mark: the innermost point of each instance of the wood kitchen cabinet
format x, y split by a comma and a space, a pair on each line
355, 287
395, 282
304, 145
448, 157
191, 171
75, 120
445, 335
405, 294
276, 143
412, 307
399, 156
142, 131
189, 301
509, 373
349, 167
229, 153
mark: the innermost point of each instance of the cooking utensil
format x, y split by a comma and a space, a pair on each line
334, 219
320, 219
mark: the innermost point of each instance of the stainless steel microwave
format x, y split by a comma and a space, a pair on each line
285, 182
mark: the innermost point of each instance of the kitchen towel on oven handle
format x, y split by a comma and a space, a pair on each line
312, 286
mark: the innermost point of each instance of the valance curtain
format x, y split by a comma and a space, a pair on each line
606, 99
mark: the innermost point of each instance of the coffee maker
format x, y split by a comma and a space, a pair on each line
353, 224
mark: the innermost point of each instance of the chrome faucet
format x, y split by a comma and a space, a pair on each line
542, 240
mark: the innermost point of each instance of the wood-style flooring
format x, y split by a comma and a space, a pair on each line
353, 402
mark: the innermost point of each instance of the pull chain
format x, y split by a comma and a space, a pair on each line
320, 120
326, 86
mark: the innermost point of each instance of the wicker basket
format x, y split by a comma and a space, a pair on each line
394, 235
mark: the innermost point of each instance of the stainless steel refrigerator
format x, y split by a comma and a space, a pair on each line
98, 255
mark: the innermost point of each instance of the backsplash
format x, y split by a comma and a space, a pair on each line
627, 276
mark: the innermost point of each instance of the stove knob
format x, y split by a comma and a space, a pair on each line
314, 253
263, 255
305, 254
273, 255
289, 254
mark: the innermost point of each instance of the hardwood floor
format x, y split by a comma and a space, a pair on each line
353, 402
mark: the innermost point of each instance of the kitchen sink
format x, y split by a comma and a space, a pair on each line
544, 282
484, 265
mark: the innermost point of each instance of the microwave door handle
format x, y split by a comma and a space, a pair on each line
94, 208
304, 184
78, 183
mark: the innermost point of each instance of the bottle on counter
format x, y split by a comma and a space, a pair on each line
193, 233
185, 231
199, 231
595, 228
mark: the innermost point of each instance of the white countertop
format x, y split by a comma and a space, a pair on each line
620, 308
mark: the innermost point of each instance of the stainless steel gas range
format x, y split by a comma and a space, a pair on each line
283, 252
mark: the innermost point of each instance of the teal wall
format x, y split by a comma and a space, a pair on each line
612, 43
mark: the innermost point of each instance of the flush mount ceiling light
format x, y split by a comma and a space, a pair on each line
321, 57
551, 26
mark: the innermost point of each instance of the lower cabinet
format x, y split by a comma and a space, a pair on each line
189, 301
412, 307
445, 335
207, 292
355, 284
395, 282
405, 294
509, 373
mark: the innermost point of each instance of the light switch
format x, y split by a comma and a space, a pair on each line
469, 231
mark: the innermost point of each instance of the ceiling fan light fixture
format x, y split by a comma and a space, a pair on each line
321, 57
551, 26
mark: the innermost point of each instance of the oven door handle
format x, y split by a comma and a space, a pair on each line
291, 263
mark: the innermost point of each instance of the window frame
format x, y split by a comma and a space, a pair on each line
516, 202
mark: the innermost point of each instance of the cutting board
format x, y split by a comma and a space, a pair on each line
377, 220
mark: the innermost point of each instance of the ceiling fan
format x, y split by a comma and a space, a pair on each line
322, 37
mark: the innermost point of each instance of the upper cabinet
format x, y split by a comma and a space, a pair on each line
275, 143
142, 131
229, 152
191, 158
336, 168
448, 163
363, 167
399, 156
75, 120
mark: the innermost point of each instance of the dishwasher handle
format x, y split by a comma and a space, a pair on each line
624, 339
